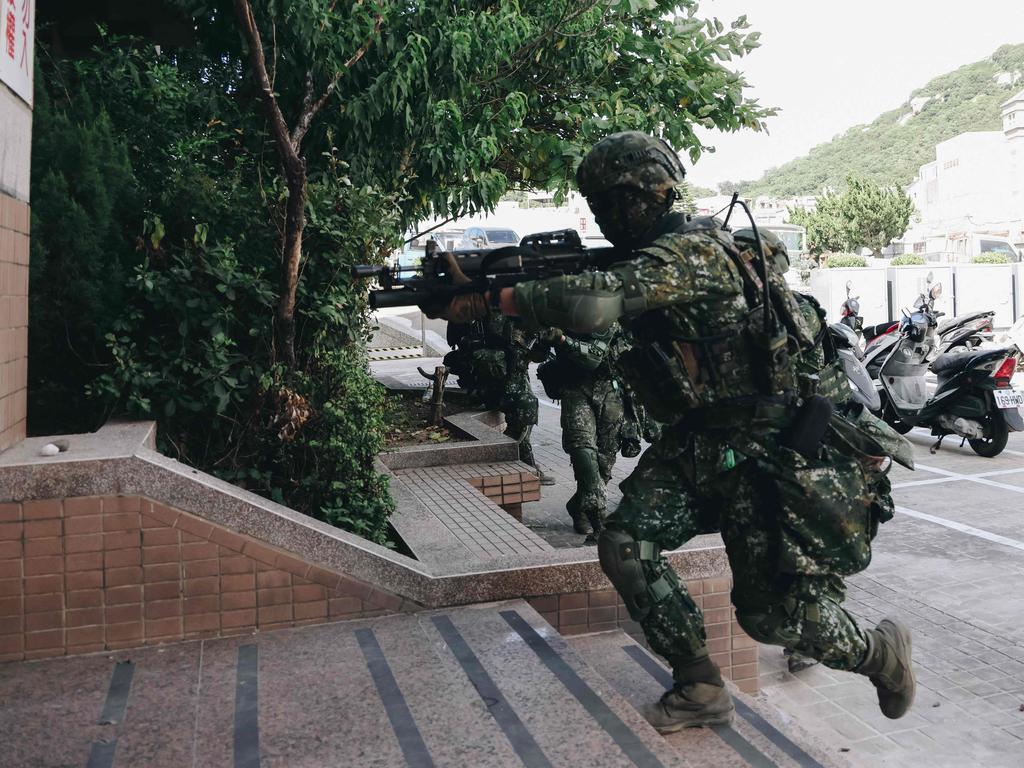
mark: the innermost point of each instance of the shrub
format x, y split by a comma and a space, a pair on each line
155, 281
907, 260
840, 260
990, 257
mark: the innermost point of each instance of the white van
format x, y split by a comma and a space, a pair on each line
963, 247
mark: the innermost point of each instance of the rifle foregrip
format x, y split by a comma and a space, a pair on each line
399, 298
367, 271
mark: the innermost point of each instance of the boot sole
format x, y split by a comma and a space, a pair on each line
710, 721
905, 638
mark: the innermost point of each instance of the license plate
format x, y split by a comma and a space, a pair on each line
1009, 398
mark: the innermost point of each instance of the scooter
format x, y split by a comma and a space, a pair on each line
851, 356
973, 399
967, 331
849, 312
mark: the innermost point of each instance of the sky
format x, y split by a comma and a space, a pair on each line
828, 66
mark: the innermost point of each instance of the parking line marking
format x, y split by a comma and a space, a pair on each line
980, 479
970, 530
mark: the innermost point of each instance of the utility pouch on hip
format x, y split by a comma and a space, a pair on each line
771, 350
553, 377
807, 431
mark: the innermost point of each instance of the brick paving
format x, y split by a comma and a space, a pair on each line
960, 593
466, 498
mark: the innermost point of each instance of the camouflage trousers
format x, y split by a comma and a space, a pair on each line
690, 484
592, 417
519, 405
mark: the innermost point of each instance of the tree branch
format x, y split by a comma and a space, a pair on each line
309, 107
278, 127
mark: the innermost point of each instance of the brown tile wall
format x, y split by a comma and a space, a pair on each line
100, 573
602, 610
14, 231
509, 491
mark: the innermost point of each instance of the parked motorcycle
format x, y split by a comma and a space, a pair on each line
849, 312
967, 331
851, 356
973, 399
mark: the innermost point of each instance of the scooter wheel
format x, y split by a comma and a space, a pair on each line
993, 445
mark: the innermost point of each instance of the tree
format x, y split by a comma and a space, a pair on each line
862, 215
873, 216
295, 138
684, 201
824, 228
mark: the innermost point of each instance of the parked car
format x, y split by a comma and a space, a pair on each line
488, 237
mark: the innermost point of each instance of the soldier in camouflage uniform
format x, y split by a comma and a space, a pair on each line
796, 494
581, 376
507, 377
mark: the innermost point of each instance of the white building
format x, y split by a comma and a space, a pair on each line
975, 185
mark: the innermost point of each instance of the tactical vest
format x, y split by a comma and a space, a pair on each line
710, 356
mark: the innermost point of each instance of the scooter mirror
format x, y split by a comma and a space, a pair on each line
929, 277
936, 290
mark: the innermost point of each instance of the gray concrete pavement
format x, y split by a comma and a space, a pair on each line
951, 565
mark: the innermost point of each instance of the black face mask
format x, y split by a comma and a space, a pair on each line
628, 216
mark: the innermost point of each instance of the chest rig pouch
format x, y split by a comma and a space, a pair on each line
751, 357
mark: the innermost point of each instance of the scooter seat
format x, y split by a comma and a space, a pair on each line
949, 322
872, 332
951, 361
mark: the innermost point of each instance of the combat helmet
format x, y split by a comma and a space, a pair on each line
773, 246
629, 159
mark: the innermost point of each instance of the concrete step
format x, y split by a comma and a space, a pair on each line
759, 737
490, 685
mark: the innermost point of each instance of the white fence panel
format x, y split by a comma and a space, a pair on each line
983, 287
1019, 271
828, 286
910, 282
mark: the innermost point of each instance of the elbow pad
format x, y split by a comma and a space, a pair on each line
586, 303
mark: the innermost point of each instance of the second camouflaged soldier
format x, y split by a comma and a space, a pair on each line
746, 453
580, 375
492, 360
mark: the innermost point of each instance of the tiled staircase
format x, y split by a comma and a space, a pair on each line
487, 685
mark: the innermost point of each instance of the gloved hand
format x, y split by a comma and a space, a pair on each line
464, 308
553, 336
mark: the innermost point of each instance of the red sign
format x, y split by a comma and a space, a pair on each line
17, 46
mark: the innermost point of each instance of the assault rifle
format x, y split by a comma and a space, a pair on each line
444, 274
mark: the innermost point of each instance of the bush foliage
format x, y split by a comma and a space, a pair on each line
990, 257
841, 260
906, 260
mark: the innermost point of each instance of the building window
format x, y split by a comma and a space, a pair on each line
919, 247
951, 164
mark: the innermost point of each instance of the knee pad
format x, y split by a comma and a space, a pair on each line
769, 625
619, 554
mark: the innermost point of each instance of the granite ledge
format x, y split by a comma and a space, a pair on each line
486, 444
99, 470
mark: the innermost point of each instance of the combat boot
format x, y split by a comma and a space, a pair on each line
596, 521
797, 662
579, 520
692, 705
887, 665
589, 497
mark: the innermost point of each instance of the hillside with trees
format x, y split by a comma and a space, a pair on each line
892, 148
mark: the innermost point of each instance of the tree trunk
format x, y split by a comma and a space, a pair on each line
291, 255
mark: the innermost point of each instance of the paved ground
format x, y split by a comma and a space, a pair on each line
955, 577
951, 564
